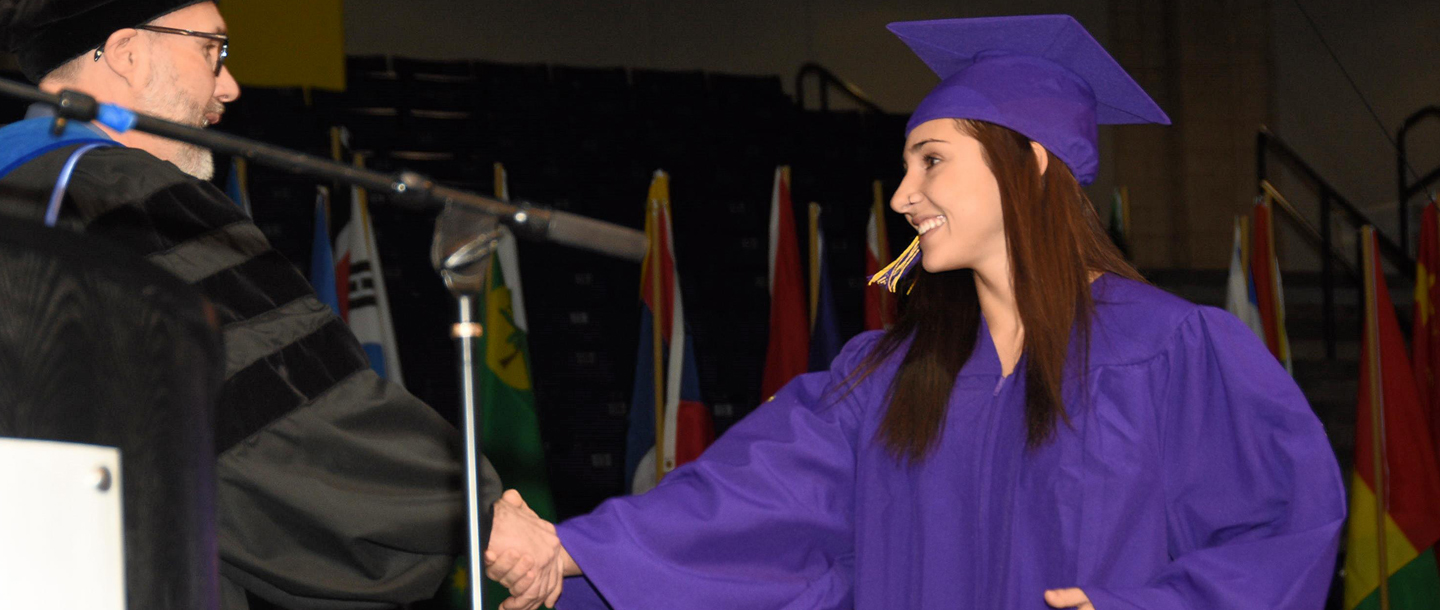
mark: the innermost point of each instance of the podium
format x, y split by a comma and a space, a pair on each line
98, 347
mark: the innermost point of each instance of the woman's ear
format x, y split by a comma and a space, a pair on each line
1042, 156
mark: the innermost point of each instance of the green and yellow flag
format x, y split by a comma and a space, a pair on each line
1395, 487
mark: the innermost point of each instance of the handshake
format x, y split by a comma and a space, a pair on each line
525, 556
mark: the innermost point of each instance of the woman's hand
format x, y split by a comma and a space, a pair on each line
1068, 598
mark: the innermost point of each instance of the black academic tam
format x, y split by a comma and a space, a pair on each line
45, 34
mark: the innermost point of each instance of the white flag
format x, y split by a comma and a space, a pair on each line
1237, 291
364, 301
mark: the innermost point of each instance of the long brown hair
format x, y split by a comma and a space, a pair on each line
1055, 242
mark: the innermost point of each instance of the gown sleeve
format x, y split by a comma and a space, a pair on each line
1254, 499
763, 519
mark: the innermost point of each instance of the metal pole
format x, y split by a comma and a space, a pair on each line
465, 332
1262, 141
1404, 199
1373, 277
657, 320
1327, 278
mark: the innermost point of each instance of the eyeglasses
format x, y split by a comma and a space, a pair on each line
221, 38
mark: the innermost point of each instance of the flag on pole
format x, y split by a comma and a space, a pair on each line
508, 254
788, 351
1265, 272
322, 261
236, 184
511, 422
361, 286
1395, 487
1240, 290
666, 410
1120, 220
1426, 339
879, 302
825, 342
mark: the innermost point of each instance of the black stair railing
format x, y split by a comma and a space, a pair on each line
1268, 145
1409, 190
827, 80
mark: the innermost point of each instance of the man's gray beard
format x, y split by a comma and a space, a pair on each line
165, 101
196, 161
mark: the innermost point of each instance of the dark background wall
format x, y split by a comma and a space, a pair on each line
1225, 67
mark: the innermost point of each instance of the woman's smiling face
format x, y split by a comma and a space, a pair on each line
951, 198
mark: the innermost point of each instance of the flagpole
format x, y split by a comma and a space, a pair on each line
1377, 408
657, 324
881, 239
1245, 247
886, 301
814, 210
1277, 305
1125, 212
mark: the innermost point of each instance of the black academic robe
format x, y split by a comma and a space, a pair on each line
336, 488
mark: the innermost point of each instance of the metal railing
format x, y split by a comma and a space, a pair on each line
1409, 190
1268, 145
827, 80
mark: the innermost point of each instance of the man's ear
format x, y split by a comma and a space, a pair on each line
1042, 156
127, 54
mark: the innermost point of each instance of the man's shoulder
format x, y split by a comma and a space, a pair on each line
108, 171
144, 173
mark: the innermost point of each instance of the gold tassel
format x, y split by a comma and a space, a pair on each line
890, 276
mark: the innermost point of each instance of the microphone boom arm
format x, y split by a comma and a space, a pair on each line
405, 187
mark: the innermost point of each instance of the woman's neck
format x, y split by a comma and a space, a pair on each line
995, 288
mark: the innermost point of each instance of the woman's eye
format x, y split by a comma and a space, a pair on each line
931, 160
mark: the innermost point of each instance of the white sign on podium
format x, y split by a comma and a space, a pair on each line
61, 533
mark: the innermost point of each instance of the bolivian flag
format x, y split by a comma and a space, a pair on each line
1396, 484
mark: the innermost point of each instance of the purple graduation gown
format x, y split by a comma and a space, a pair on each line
1194, 475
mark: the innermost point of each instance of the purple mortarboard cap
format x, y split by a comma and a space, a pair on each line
1041, 75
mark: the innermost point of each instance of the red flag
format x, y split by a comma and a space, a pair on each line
1261, 254
1265, 271
1426, 342
788, 353
879, 302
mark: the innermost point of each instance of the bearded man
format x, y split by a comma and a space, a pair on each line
336, 489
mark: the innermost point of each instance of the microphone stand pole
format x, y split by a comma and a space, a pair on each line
466, 331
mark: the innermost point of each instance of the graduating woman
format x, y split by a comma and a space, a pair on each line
1041, 428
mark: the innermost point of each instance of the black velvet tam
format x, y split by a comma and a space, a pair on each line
47, 33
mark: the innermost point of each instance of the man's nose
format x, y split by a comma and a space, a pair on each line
226, 89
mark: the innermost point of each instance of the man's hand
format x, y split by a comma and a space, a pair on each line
524, 555
1068, 598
